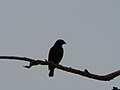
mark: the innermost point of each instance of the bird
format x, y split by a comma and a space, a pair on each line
55, 55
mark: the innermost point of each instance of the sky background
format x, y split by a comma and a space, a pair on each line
91, 29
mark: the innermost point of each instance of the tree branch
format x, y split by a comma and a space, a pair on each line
115, 88
85, 73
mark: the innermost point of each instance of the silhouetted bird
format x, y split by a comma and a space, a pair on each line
55, 55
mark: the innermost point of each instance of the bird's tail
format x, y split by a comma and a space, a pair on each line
51, 73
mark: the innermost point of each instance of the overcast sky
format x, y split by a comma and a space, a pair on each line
91, 29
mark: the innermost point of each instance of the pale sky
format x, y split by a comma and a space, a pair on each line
29, 28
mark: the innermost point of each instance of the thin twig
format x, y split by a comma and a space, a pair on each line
85, 73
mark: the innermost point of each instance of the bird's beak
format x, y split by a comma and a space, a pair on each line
64, 42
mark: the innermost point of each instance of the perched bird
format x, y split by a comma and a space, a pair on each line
55, 55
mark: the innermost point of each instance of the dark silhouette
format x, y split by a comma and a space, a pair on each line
115, 88
55, 55
85, 73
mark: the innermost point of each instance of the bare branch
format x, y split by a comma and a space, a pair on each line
85, 73
115, 88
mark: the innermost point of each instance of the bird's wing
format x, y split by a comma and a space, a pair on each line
55, 54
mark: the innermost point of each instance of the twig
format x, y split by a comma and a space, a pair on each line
85, 73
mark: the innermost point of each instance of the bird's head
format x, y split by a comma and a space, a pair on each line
60, 42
